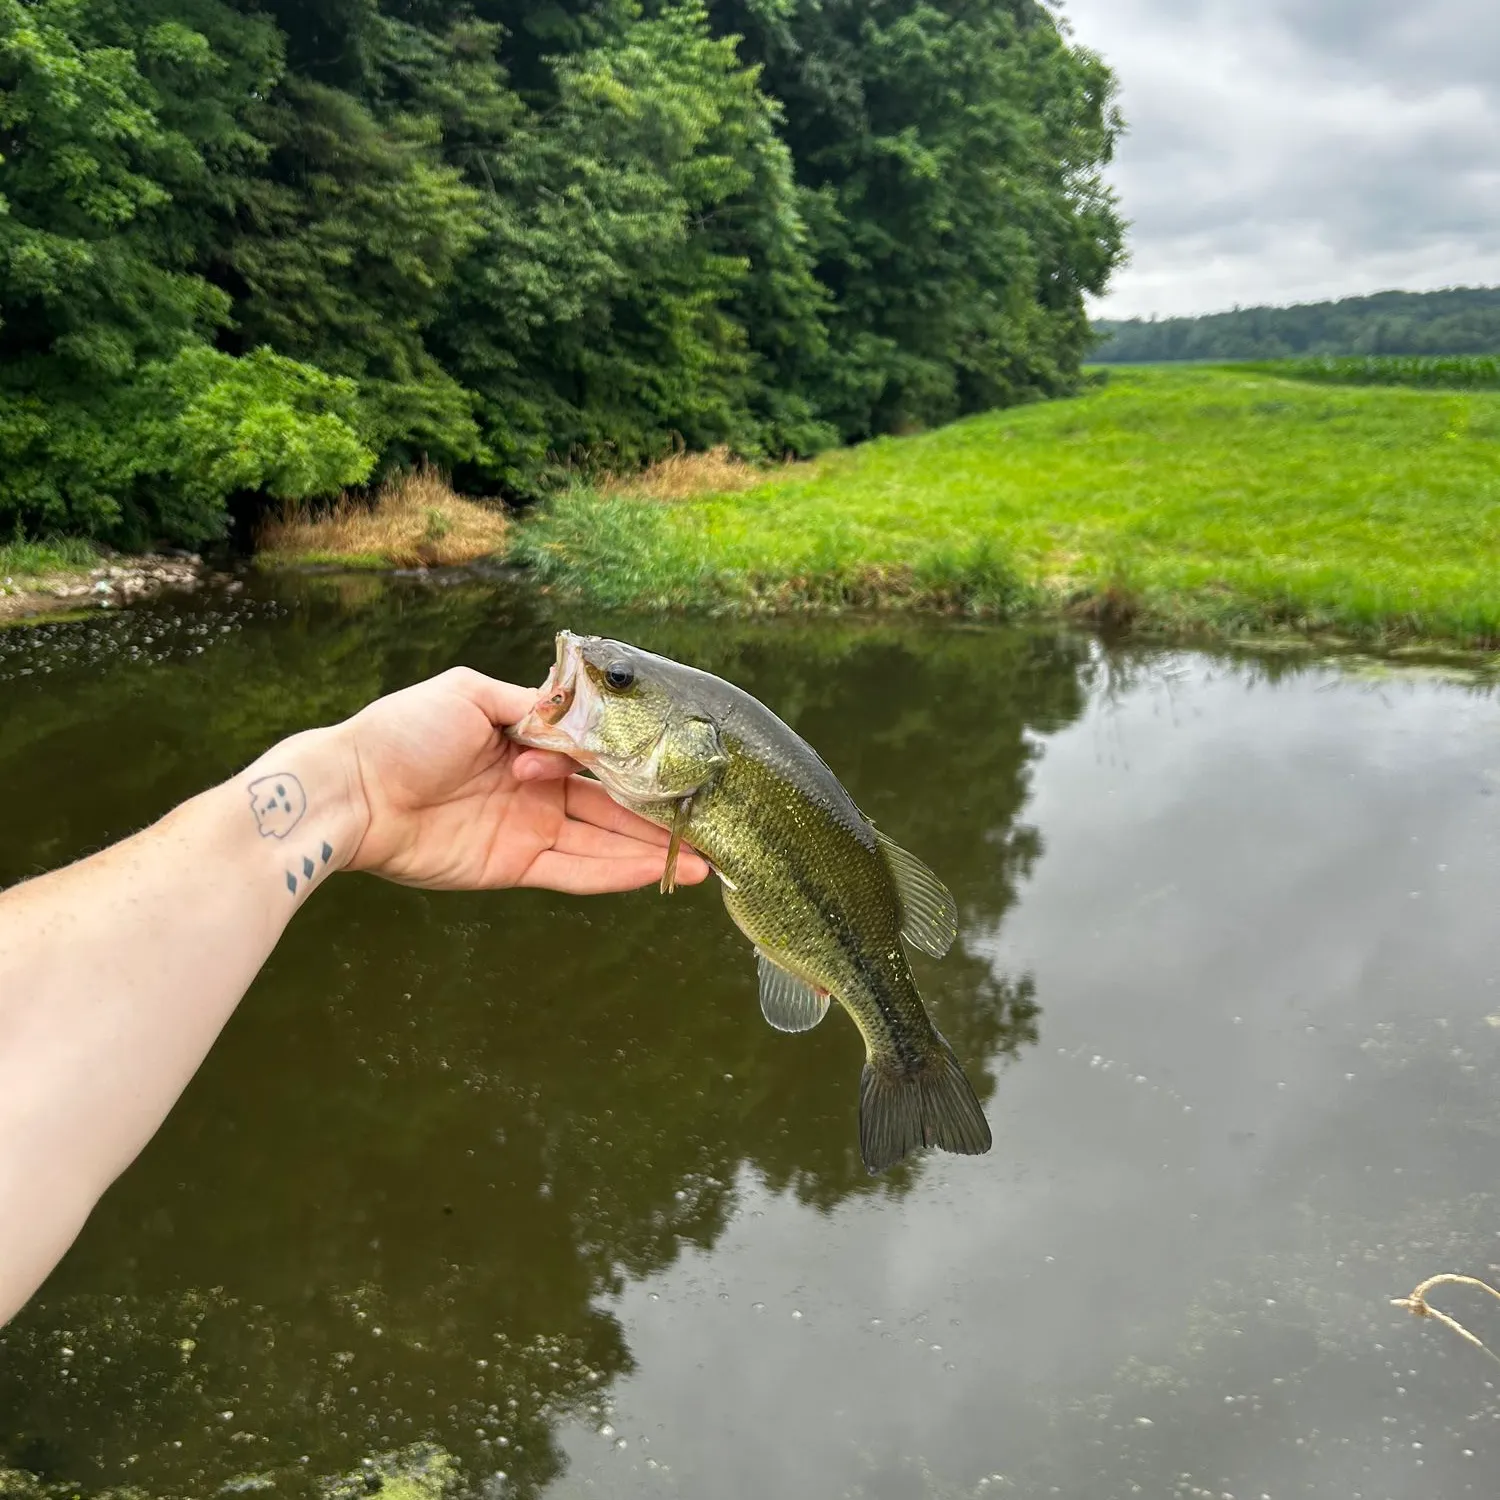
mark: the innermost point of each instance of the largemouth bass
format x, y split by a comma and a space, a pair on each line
823, 895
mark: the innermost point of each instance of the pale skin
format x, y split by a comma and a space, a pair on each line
117, 973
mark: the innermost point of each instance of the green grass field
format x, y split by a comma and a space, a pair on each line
1193, 498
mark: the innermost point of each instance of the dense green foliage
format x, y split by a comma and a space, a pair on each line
1465, 320
1472, 372
1200, 498
265, 250
947, 155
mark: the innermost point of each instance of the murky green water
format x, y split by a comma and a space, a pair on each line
530, 1179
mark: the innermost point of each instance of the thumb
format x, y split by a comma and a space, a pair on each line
502, 703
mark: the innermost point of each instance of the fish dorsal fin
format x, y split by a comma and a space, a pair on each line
929, 914
788, 1003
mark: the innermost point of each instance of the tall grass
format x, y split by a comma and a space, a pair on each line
20, 560
1458, 372
414, 520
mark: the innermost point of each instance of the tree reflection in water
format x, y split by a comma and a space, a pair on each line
442, 1129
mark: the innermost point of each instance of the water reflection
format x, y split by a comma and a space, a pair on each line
444, 1131
531, 1178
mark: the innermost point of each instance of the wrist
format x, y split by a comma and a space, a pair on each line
306, 802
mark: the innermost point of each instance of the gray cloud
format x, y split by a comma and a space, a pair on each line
1285, 150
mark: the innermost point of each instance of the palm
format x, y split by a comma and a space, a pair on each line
455, 805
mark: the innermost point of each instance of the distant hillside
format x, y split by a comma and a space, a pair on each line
1464, 320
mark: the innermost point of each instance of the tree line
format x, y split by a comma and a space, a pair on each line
271, 248
1462, 320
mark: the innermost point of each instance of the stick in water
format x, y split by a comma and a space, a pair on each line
1419, 1307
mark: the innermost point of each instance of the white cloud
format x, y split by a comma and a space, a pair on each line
1284, 152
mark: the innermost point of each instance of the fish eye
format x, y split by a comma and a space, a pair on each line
619, 675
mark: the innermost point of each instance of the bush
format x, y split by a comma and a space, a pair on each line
157, 459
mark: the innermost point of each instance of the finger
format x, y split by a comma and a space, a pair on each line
502, 702
692, 868
542, 765
590, 803
579, 875
600, 843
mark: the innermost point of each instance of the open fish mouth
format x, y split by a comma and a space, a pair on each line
557, 693
566, 705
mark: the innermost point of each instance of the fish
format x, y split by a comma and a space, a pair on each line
826, 899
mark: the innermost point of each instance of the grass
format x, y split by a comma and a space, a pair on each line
415, 520
30, 560
1220, 498
31, 572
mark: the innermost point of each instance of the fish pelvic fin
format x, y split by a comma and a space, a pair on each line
903, 1110
788, 1003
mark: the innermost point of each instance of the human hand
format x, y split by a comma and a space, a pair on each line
454, 805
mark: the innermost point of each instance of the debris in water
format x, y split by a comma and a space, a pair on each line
1419, 1307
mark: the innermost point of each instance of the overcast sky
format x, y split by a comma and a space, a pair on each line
1290, 150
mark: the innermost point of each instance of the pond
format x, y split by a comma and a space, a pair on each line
528, 1180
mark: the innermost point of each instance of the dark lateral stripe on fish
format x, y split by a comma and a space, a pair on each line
895, 1025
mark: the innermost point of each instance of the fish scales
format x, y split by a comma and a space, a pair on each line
813, 890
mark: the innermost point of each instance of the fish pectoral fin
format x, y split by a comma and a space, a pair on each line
674, 846
929, 914
703, 742
788, 1003
687, 758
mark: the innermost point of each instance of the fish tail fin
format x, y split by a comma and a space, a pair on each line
902, 1110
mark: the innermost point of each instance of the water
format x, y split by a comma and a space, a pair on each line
529, 1179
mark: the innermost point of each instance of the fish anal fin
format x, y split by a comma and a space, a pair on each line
903, 1110
929, 914
788, 1003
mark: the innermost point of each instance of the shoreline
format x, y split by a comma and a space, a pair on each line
991, 594
123, 579
1106, 615
1220, 505
116, 580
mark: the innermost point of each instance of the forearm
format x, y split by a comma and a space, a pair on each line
117, 973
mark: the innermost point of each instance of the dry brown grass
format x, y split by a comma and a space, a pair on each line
414, 520
685, 476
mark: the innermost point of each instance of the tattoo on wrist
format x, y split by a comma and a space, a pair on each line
309, 869
278, 803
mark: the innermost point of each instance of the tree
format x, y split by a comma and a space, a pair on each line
643, 274
950, 154
518, 233
112, 155
1461, 320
